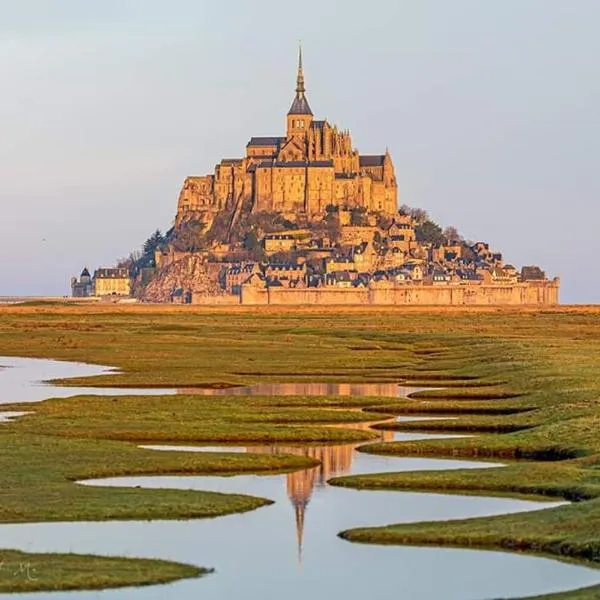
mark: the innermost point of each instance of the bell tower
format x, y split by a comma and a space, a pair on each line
300, 115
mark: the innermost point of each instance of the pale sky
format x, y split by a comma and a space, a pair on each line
490, 109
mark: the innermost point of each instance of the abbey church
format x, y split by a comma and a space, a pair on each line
313, 166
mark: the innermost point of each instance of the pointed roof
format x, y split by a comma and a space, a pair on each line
85, 272
300, 104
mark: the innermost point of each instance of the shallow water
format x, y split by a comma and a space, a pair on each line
291, 549
23, 380
11, 415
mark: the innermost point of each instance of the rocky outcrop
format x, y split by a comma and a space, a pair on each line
189, 274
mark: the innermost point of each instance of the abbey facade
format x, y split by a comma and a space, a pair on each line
313, 166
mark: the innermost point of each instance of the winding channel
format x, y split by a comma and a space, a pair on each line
290, 549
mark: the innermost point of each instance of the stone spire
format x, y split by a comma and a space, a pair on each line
300, 76
300, 104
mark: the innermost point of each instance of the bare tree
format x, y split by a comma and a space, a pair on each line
451, 235
418, 215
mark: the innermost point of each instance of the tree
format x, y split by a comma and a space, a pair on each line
284, 257
153, 242
379, 243
130, 262
332, 226
358, 216
452, 235
190, 237
418, 215
253, 246
430, 233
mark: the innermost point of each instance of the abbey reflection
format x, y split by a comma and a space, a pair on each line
335, 461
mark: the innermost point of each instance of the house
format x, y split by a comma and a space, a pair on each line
402, 230
343, 279
361, 281
112, 282
237, 275
285, 271
379, 276
415, 270
439, 276
398, 275
467, 276
365, 256
279, 243
497, 276
340, 263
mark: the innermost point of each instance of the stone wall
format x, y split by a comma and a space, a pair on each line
225, 300
544, 293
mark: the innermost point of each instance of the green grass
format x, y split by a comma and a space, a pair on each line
24, 572
525, 381
191, 419
592, 593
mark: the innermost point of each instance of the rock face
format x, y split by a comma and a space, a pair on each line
190, 273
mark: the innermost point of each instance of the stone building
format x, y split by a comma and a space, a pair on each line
82, 287
298, 174
112, 282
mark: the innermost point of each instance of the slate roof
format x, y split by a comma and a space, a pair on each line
265, 141
292, 163
468, 274
265, 164
105, 273
372, 160
300, 105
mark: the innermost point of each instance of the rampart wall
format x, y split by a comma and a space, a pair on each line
545, 293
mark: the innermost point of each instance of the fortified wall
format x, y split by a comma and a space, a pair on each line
543, 293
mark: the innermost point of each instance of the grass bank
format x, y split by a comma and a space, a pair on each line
25, 572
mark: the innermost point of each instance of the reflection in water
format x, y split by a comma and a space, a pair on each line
387, 390
335, 461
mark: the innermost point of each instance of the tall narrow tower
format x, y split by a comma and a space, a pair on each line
299, 116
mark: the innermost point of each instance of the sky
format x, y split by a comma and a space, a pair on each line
489, 109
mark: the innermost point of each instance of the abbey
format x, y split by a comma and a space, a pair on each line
300, 174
